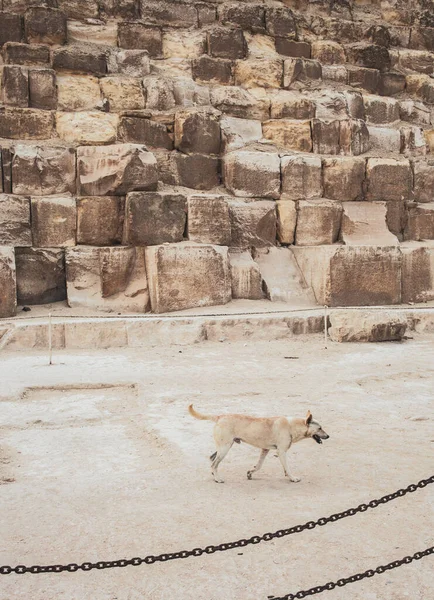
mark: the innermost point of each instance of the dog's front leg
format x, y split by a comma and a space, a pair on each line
282, 457
262, 457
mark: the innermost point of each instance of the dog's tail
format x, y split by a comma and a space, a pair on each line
197, 415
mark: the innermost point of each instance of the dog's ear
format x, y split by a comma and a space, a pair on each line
308, 417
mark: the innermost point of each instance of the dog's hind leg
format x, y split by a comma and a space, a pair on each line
220, 454
259, 464
282, 457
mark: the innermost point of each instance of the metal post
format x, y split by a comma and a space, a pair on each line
325, 325
50, 344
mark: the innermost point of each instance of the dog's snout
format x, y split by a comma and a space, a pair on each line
326, 436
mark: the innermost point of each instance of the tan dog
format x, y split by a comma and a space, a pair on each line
268, 433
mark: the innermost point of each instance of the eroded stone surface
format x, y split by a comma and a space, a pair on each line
40, 275
209, 220
15, 221
252, 174
43, 170
245, 276
253, 223
365, 224
54, 222
100, 220
366, 327
8, 284
318, 222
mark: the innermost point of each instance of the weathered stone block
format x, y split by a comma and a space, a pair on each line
286, 221
301, 177
137, 36
15, 84
246, 276
349, 137
365, 79
43, 170
43, 89
15, 221
197, 131
344, 178
249, 17
289, 134
423, 174
236, 133
6, 165
420, 222
8, 284
413, 142
134, 63
253, 223
331, 105
188, 93
159, 93
122, 93
280, 22
10, 28
183, 44
40, 275
414, 112
123, 9
154, 218
168, 14
328, 52
100, 220
365, 224
291, 105
108, 279
16, 53
87, 127
45, 26
140, 130
300, 69
99, 32
384, 139
292, 48
417, 272
388, 179
380, 110
318, 222
252, 174
196, 171
207, 14
78, 92
391, 83
416, 60
115, 170
368, 55
226, 43
187, 275
54, 222
236, 102
212, 70
353, 326
209, 220
82, 58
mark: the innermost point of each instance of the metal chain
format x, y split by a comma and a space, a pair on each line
331, 585
256, 539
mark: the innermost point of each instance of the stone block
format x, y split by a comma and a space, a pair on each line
420, 222
188, 93
280, 22
159, 93
207, 14
348, 137
43, 89
286, 221
17, 53
318, 222
328, 52
301, 177
236, 102
132, 63
100, 220
40, 275
115, 170
246, 276
137, 36
288, 47
300, 69
6, 165
10, 28
168, 14
289, 134
153, 218
326, 136
43, 170
252, 174
423, 174
414, 112
122, 9
391, 83
196, 171
388, 179
54, 222
417, 272
416, 60
87, 127
236, 133
365, 79
365, 224
344, 178
384, 139
79, 9
98, 32
331, 105
249, 17
226, 43
140, 130
353, 326
369, 56
15, 221
108, 278
187, 275
45, 26
15, 86
81, 58
422, 38
209, 220
124, 93
212, 70
253, 223
8, 283
413, 142
291, 105
335, 73
197, 131
78, 92
183, 44
380, 110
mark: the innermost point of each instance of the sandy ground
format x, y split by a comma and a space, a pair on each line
99, 460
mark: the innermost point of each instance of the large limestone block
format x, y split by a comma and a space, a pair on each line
43, 170
300, 70
384, 139
195, 171
101, 33
137, 36
124, 9
183, 44
42, 89
236, 133
286, 221
365, 224
413, 142
81, 58
344, 177
168, 14
352, 275
115, 170
15, 221
133, 63
26, 124
124, 93
365, 79
289, 134
368, 55
41, 275
423, 173
266, 73
141, 130
331, 105
236, 102
347, 137
100, 220
108, 279
78, 92
11, 27
17, 53
154, 218
420, 222
159, 93
209, 220
197, 131
45, 26
212, 71
246, 276
188, 93
15, 86
8, 283
226, 43
356, 326
328, 52
318, 222
417, 271
247, 16
187, 275
253, 223
388, 179
282, 278
54, 222
301, 177
416, 60
380, 110
87, 127
281, 22
291, 105
252, 174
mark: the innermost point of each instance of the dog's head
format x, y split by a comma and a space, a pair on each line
314, 429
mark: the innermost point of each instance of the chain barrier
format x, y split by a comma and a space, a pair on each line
256, 539
331, 585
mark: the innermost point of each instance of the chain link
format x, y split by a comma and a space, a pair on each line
353, 578
256, 539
